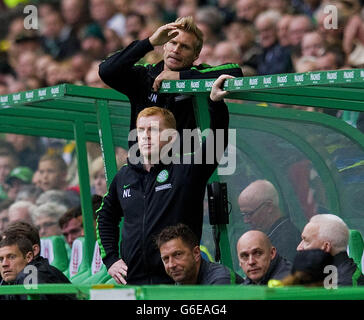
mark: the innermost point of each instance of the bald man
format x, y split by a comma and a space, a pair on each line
259, 259
259, 205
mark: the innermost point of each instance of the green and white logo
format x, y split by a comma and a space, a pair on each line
162, 176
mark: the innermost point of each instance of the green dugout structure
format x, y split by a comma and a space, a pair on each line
316, 161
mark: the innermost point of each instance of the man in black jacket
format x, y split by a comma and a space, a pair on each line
181, 256
152, 195
21, 263
260, 260
330, 233
182, 42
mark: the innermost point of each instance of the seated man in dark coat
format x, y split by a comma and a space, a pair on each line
181, 256
21, 263
260, 260
259, 205
330, 233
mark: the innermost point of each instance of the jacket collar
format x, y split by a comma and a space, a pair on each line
268, 274
157, 69
158, 166
340, 258
203, 266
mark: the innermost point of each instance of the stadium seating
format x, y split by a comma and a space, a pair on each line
98, 269
82, 272
355, 248
54, 249
79, 269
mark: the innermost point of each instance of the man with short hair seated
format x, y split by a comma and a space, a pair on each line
181, 256
259, 260
330, 233
20, 262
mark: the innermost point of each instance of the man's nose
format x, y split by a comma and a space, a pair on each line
251, 260
4, 262
300, 246
171, 263
69, 239
42, 232
176, 48
145, 135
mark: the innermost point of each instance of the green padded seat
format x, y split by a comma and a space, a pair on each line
53, 248
98, 269
79, 269
355, 248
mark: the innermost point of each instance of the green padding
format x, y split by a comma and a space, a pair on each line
67, 273
100, 277
56, 244
356, 246
81, 277
77, 275
111, 281
193, 292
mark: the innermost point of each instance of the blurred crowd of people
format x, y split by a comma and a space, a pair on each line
39, 182
265, 37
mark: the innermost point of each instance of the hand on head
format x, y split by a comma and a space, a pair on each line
164, 33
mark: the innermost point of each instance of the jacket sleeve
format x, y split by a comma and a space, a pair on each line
210, 72
119, 70
107, 226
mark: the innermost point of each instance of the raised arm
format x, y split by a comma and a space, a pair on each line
211, 72
199, 72
217, 139
119, 70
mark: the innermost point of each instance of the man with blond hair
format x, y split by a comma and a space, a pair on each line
155, 192
182, 42
330, 233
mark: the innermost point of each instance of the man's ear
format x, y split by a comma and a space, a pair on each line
326, 247
172, 138
36, 249
196, 56
29, 256
196, 253
273, 253
170, 135
270, 205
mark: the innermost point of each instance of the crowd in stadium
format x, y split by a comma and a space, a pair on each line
264, 37
38, 176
